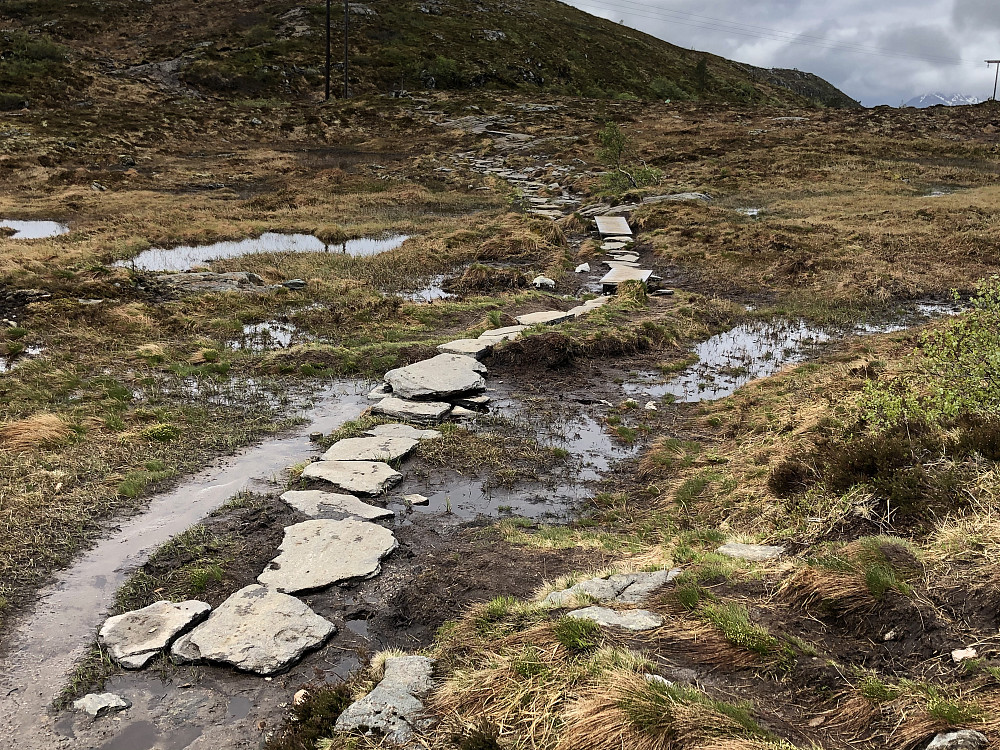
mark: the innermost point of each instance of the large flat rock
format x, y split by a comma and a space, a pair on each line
438, 378
316, 554
549, 318
626, 588
753, 552
632, 619
507, 333
380, 448
132, 639
402, 430
423, 412
333, 505
613, 226
257, 630
478, 348
360, 477
393, 709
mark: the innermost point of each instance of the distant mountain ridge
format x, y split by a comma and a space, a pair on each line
936, 98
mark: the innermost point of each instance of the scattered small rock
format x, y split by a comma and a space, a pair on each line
583, 268
962, 739
650, 406
98, 704
294, 284
627, 588
963, 654
416, 499
543, 282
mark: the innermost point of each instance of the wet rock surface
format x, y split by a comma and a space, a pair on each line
478, 348
99, 704
255, 630
438, 378
360, 477
423, 412
133, 638
393, 708
403, 430
316, 554
319, 504
378, 448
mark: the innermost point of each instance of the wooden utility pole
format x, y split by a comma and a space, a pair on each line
328, 61
347, 24
995, 80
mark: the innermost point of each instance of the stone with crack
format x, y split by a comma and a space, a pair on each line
393, 709
422, 412
402, 430
334, 505
380, 448
319, 553
360, 477
134, 638
627, 588
438, 378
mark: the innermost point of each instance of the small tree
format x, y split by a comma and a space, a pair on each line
701, 75
613, 151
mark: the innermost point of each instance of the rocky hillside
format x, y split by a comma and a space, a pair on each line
238, 48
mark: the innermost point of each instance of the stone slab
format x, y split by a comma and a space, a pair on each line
613, 225
393, 709
507, 333
144, 632
98, 704
438, 378
257, 630
583, 268
633, 619
334, 505
755, 552
626, 588
478, 348
402, 430
354, 477
549, 318
319, 553
381, 448
616, 276
425, 412
613, 264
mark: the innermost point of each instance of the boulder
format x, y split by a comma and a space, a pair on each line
442, 377
402, 430
97, 704
426, 412
319, 504
633, 619
755, 552
257, 630
381, 448
361, 477
393, 709
961, 739
319, 553
134, 638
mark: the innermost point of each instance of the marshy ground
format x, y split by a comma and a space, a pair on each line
824, 234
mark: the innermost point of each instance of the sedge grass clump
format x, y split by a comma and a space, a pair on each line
40, 431
576, 634
732, 619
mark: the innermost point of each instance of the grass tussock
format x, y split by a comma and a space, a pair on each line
39, 431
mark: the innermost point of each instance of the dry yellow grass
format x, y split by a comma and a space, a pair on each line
39, 431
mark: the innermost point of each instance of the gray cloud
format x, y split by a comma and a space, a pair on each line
831, 39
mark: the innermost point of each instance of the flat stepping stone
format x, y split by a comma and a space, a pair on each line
317, 554
134, 638
381, 448
550, 318
612, 246
319, 504
589, 306
616, 276
361, 477
626, 239
393, 710
613, 264
257, 629
626, 588
507, 333
402, 430
633, 619
429, 412
98, 704
757, 552
616, 226
438, 378
626, 257
478, 348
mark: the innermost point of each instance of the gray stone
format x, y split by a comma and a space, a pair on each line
361, 477
427, 412
381, 448
962, 739
627, 588
507, 333
318, 504
316, 554
756, 552
97, 704
550, 318
633, 619
199, 283
402, 430
478, 348
416, 499
440, 377
379, 392
473, 402
679, 197
460, 412
257, 630
144, 632
294, 284
620, 264
393, 709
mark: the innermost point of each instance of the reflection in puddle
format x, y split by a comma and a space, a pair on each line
9, 363
34, 230
186, 257
431, 292
259, 337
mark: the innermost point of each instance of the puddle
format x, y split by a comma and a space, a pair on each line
358, 627
44, 644
188, 256
429, 293
34, 230
9, 363
238, 708
260, 337
758, 349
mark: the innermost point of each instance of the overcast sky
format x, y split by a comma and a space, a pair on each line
942, 30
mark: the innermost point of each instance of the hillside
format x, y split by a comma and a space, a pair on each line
236, 48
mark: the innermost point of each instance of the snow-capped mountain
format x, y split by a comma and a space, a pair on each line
948, 100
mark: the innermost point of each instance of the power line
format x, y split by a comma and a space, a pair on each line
643, 10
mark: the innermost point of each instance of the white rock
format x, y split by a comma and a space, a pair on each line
402, 430
381, 448
426, 412
361, 477
134, 638
393, 709
319, 504
962, 654
755, 552
632, 619
460, 412
97, 704
316, 554
543, 282
962, 739
257, 630
478, 348
583, 268
650, 406
416, 499
550, 318
627, 588
508, 333
656, 679
440, 377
